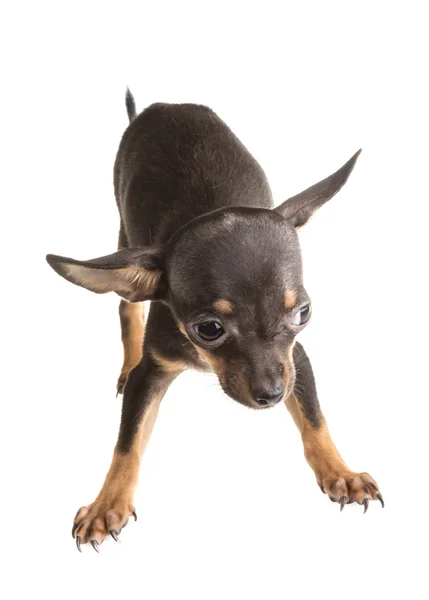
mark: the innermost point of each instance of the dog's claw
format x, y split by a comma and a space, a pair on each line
348, 487
78, 543
134, 514
94, 544
79, 527
115, 536
75, 526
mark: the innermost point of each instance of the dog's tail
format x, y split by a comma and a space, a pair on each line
131, 105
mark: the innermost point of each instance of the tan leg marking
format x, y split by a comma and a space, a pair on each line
115, 503
132, 328
292, 406
333, 475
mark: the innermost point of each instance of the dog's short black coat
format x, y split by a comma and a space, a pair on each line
177, 162
199, 236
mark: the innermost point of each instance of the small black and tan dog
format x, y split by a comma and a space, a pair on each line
200, 238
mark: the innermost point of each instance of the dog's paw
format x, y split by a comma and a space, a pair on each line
93, 523
121, 383
348, 487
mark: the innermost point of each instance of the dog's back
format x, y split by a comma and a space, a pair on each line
176, 162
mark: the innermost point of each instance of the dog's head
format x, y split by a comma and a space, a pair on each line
233, 281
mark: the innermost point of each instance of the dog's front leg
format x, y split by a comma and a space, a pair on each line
110, 511
333, 475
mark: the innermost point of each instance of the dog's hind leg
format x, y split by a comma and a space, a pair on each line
132, 319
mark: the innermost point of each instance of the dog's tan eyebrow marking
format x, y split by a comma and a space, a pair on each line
290, 299
223, 306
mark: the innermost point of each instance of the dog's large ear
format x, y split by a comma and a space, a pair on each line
298, 209
134, 274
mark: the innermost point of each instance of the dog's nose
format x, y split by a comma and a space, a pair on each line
268, 397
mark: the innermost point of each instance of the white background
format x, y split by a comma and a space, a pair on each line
227, 506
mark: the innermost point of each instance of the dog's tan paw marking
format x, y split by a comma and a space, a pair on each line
121, 383
348, 487
93, 523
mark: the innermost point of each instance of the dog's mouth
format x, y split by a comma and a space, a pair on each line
232, 389
251, 403
258, 406
229, 385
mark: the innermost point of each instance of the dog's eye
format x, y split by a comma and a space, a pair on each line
302, 316
209, 330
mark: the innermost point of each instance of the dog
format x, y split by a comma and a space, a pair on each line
199, 237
